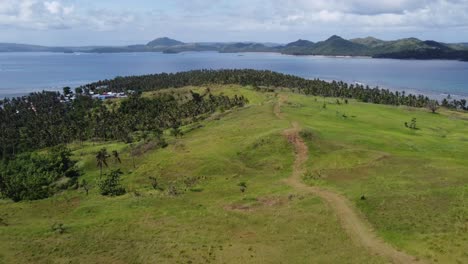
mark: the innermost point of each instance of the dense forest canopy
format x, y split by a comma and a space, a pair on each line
43, 120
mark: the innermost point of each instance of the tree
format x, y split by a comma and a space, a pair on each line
133, 154
433, 105
79, 90
101, 159
176, 131
111, 185
116, 155
85, 186
34, 176
412, 125
66, 90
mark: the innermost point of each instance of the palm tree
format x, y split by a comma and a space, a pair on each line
116, 156
101, 159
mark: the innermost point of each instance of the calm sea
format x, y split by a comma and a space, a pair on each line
21, 73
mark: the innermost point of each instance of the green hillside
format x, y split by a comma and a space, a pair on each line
368, 41
164, 42
338, 46
409, 48
298, 47
222, 194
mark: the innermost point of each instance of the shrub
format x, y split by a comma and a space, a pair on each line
155, 183
172, 190
243, 186
110, 185
58, 228
432, 105
307, 134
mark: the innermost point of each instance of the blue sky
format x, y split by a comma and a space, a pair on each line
119, 22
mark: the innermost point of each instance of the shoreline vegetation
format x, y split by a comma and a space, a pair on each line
336, 46
95, 89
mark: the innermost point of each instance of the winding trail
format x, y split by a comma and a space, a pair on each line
357, 228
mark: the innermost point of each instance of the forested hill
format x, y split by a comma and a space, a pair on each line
408, 48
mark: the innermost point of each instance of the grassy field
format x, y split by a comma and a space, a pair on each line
414, 182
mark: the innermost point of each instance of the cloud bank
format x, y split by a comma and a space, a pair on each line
257, 20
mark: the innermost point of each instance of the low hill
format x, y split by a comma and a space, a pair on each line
369, 41
14, 47
334, 46
337, 46
300, 43
408, 48
246, 47
298, 47
164, 42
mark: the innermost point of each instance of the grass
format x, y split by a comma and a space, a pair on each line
216, 223
414, 181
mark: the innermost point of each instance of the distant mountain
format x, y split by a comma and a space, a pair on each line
408, 48
299, 47
300, 43
164, 42
369, 41
459, 46
333, 46
14, 47
246, 47
413, 48
337, 46
191, 47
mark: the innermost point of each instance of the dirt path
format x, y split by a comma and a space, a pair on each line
356, 227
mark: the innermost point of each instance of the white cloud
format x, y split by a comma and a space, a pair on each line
57, 14
272, 20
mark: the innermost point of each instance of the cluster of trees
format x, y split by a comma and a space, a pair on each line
32, 176
455, 104
41, 120
269, 79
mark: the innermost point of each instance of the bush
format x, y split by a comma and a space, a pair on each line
242, 186
307, 134
110, 185
33, 176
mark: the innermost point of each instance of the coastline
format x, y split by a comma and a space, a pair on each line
431, 95
32, 72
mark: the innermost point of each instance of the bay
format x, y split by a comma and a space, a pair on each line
21, 73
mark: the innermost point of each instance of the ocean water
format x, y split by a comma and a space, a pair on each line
21, 73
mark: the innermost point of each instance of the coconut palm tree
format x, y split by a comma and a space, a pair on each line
116, 155
101, 159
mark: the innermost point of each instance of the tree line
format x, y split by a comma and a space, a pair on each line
260, 78
42, 120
